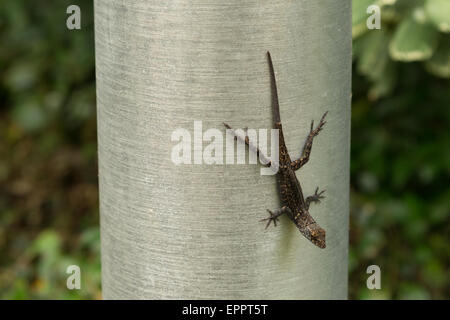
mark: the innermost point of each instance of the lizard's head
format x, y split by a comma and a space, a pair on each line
316, 235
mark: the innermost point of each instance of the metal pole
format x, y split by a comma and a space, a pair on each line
191, 231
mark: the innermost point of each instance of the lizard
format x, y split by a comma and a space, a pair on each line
294, 205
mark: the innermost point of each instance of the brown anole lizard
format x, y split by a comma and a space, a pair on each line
293, 203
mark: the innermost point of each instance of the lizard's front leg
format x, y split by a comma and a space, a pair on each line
250, 146
274, 215
297, 164
314, 198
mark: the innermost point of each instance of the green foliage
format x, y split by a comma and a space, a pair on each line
400, 173
48, 174
411, 30
400, 180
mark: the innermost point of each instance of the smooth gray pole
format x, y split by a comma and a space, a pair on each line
192, 231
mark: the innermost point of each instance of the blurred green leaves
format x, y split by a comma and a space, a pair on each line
438, 12
439, 64
30, 115
45, 67
48, 170
48, 279
411, 30
400, 200
413, 41
400, 178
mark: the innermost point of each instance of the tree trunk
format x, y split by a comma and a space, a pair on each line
192, 231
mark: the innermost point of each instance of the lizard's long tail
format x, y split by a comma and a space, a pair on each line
273, 82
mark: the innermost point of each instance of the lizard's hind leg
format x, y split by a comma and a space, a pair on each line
274, 215
314, 198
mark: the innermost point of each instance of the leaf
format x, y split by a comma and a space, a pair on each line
403, 169
412, 291
387, 2
367, 294
372, 51
22, 75
373, 56
413, 41
47, 243
384, 85
48, 247
405, 7
30, 115
439, 64
434, 273
18, 291
390, 13
438, 11
359, 16
90, 238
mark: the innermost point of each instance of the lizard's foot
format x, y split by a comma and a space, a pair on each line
317, 195
315, 198
273, 217
322, 122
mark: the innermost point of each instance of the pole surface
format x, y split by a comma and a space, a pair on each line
192, 231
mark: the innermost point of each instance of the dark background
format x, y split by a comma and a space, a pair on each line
400, 158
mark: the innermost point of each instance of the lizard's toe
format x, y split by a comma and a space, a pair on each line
271, 218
